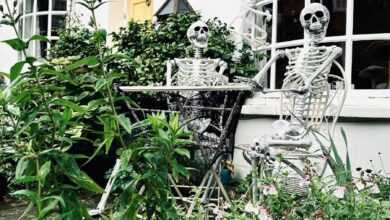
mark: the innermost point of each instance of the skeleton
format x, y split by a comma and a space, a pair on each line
305, 88
197, 71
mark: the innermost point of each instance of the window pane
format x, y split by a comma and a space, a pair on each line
59, 5
372, 16
337, 9
58, 23
289, 26
43, 5
29, 6
371, 65
42, 25
28, 25
41, 48
282, 63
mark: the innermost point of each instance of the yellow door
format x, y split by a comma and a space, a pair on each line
140, 10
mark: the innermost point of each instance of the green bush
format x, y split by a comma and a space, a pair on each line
148, 46
75, 41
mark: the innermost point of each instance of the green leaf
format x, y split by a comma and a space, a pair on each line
44, 170
38, 38
24, 172
183, 152
87, 61
109, 132
16, 44
16, 69
100, 84
72, 170
49, 208
98, 149
348, 160
125, 123
29, 118
27, 193
100, 36
66, 103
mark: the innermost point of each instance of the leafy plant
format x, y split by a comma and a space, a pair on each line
152, 157
49, 108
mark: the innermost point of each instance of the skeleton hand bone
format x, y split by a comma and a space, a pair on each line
255, 85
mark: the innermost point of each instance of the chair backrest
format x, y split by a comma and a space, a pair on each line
320, 104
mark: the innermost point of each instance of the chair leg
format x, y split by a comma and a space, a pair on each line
103, 201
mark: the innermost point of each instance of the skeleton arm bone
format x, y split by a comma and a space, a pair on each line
170, 64
262, 72
222, 66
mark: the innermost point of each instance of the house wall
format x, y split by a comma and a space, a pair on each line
365, 139
7, 55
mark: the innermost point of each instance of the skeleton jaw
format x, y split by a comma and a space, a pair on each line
316, 35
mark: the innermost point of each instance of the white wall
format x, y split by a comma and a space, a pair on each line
102, 14
7, 55
365, 140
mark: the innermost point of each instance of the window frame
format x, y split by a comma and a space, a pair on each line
361, 103
35, 14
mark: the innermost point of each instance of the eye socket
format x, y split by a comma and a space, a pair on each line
197, 28
307, 16
205, 29
319, 14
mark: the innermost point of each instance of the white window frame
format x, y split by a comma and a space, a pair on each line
35, 13
370, 103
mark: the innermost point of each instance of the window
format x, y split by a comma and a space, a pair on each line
362, 29
44, 17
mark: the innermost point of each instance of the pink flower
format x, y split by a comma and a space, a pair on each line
339, 192
263, 214
270, 190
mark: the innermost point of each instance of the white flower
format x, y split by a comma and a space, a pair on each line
339, 192
359, 184
270, 190
263, 214
249, 208
304, 182
373, 188
226, 205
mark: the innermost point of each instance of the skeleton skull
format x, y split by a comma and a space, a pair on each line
198, 34
315, 19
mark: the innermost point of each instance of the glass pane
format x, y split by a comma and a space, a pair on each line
58, 23
29, 6
42, 25
371, 65
41, 48
337, 9
282, 64
372, 16
289, 26
59, 5
28, 26
43, 5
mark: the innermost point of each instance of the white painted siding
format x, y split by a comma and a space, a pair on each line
7, 55
365, 140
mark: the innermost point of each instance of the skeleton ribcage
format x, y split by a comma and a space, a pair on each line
307, 109
201, 72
